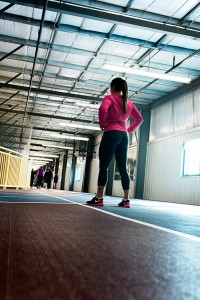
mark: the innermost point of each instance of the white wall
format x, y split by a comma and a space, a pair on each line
94, 170
67, 175
60, 170
79, 174
171, 125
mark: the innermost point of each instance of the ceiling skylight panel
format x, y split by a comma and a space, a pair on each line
137, 33
116, 2
64, 38
95, 25
71, 20
86, 42
119, 49
45, 37
177, 9
69, 73
3, 4
20, 10
15, 29
76, 59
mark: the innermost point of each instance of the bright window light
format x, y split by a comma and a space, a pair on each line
191, 158
68, 137
73, 125
60, 147
146, 73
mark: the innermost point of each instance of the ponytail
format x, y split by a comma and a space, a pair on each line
120, 85
125, 94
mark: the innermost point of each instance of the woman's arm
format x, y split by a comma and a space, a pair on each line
103, 111
137, 119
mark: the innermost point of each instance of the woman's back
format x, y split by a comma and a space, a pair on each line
112, 116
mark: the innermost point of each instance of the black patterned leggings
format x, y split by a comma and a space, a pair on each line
114, 142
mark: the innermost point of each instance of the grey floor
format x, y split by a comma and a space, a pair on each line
150, 251
177, 217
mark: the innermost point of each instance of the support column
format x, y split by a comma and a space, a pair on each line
90, 150
64, 167
141, 154
109, 185
72, 173
57, 165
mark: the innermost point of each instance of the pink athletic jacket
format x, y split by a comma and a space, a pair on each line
112, 117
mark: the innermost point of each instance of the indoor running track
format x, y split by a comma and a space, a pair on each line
52, 246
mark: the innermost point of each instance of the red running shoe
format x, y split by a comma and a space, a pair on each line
124, 203
95, 202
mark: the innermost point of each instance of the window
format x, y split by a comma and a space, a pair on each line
191, 158
78, 173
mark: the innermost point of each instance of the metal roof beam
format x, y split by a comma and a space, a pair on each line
41, 129
99, 71
59, 87
16, 148
189, 13
14, 136
15, 94
10, 79
135, 17
180, 22
148, 52
45, 116
13, 51
13, 141
76, 29
53, 93
6, 8
60, 94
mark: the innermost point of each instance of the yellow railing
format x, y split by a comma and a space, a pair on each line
14, 169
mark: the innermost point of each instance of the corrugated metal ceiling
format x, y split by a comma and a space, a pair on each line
72, 52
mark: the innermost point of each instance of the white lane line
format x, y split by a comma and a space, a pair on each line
14, 196
141, 206
111, 201
22, 202
181, 234
146, 207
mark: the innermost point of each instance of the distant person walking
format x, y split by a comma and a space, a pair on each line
48, 176
113, 115
32, 178
40, 176
55, 181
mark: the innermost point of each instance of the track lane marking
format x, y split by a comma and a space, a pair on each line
181, 234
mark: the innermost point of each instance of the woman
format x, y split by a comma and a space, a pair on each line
55, 181
48, 178
113, 115
40, 176
32, 178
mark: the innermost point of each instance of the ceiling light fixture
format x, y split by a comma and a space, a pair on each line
43, 155
146, 73
41, 159
40, 162
72, 125
60, 147
94, 106
66, 137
